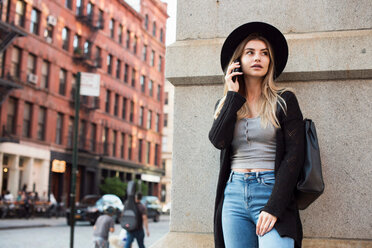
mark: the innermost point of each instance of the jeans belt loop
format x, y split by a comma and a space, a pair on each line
230, 177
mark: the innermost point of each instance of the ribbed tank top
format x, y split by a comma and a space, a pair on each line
253, 147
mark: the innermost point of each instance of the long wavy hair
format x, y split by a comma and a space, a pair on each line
269, 90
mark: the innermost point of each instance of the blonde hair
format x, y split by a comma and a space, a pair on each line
269, 90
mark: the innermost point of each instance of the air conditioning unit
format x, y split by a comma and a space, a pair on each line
48, 39
32, 78
52, 20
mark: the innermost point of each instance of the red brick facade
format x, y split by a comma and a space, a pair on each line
116, 79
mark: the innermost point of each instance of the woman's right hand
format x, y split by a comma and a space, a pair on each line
231, 85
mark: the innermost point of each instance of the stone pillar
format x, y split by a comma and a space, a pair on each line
13, 182
27, 174
330, 69
43, 185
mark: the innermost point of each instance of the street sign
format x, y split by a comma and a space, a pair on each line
89, 84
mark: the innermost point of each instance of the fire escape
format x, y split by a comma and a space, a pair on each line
8, 32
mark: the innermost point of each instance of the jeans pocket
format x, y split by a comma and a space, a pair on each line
268, 181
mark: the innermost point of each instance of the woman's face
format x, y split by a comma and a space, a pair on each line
255, 59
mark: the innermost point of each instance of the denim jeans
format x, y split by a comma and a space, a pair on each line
138, 235
245, 195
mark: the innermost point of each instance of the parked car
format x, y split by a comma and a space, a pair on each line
92, 206
153, 207
166, 208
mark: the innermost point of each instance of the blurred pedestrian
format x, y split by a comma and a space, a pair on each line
139, 234
104, 224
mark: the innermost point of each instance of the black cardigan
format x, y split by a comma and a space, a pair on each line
288, 162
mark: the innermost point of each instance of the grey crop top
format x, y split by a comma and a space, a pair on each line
253, 147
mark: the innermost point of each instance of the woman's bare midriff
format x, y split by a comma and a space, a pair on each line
251, 170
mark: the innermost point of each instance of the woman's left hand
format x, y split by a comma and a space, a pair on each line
265, 223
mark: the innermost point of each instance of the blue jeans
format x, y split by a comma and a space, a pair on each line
245, 195
138, 235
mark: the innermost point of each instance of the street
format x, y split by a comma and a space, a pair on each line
45, 233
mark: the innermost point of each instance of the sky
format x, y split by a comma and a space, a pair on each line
171, 22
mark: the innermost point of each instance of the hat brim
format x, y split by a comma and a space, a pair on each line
269, 32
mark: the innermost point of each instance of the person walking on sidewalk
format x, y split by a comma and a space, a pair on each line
104, 224
139, 234
259, 129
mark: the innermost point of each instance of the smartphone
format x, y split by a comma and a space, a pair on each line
239, 69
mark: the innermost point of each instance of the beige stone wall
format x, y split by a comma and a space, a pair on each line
330, 68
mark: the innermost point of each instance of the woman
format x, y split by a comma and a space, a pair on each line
259, 129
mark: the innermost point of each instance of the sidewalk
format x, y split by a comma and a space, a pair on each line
6, 224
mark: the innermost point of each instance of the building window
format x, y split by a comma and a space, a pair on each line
105, 140
135, 45
147, 22
148, 152
122, 140
90, 11
133, 77
41, 124
166, 98
11, 115
31, 64
159, 92
130, 140
131, 113
107, 107
82, 134
164, 144
112, 28
151, 83
45, 74
160, 63
114, 143
35, 20
98, 56
142, 81
156, 162
100, 23
27, 113
93, 137
79, 8
154, 28
120, 34
15, 69
124, 111
140, 150
59, 127
165, 120
126, 71
20, 13
128, 39
142, 110
157, 122
62, 82
109, 64
2, 55
70, 131
116, 105
48, 33
161, 35
68, 4
76, 44
87, 49
144, 53
149, 119
65, 38
152, 58
73, 86
118, 68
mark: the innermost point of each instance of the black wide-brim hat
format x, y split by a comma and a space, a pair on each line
272, 34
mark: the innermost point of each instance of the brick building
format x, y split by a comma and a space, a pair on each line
119, 131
